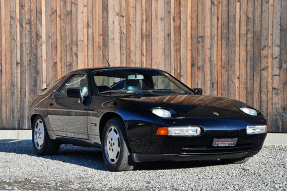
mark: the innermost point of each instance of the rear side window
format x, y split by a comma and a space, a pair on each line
78, 81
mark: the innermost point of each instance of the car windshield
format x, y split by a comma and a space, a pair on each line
137, 81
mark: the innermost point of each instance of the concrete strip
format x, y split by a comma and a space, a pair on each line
16, 134
276, 139
271, 139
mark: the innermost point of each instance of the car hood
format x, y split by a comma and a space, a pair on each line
193, 105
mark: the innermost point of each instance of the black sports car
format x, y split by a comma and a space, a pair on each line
138, 114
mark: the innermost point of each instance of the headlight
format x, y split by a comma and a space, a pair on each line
249, 111
256, 129
161, 112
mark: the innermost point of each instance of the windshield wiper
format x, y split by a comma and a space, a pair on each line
120, 91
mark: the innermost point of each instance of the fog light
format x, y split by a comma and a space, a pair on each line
256, 129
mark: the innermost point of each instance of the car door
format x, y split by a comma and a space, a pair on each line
68, 116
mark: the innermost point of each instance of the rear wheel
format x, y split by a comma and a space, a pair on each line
42, 143
115, 151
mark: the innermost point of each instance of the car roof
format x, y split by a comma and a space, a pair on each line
105, 68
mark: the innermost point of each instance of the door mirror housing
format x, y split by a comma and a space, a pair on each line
197, 91
74, 93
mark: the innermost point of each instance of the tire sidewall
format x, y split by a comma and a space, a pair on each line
46, 136
123, 150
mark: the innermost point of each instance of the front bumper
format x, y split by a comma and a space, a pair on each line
152, 147
136, 157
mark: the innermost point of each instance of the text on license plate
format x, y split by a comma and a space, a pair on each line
224, 142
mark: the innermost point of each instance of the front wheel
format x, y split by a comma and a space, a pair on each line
115, 152
42, 143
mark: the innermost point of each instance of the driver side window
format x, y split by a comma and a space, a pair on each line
78, 81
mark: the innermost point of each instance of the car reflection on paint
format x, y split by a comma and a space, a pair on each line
138, 115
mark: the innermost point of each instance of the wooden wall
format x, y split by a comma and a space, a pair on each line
232, 48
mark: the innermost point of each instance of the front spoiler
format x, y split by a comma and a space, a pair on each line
136, 157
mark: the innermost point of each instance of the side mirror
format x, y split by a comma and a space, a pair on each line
197, 91
74, 93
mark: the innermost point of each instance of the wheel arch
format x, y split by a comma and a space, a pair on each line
105, 118
33, 118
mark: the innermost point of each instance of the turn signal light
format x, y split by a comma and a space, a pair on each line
162, 131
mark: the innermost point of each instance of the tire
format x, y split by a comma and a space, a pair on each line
42, 143
236, 161
114, 146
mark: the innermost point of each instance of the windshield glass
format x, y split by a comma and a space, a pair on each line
137, 81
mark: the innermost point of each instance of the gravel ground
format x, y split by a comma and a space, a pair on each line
77, 168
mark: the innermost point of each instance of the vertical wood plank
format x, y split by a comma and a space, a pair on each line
160, 37
264, 59
225, 48
214, 45
243, 50
39, 47
1, 65
81, 35
63, 37
237, 50
143, 32
90, 10
167, 37
283, 71
85, 16
28, 43
23, 110
49, 52
200, 46
4, 97
95, 32
59, 48
194, 37
18, 69
100, 34
13, 67
232, 50
270, 58
117, 33
75, 33
207, 47
54, 40
8, 63
133, 32
154, 34
276, 45
148, 35
189, 42
105, 32
177, 27
249, 52
69, 30
44, 45
257, 52
138, 33
123, 36
219, 47
128, 28
183, 41
111, 44
33, 67
172, 37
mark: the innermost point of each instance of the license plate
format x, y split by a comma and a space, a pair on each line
224, 142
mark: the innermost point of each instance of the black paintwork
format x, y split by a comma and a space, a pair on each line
69, 121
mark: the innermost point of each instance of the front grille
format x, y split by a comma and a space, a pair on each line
208, 150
